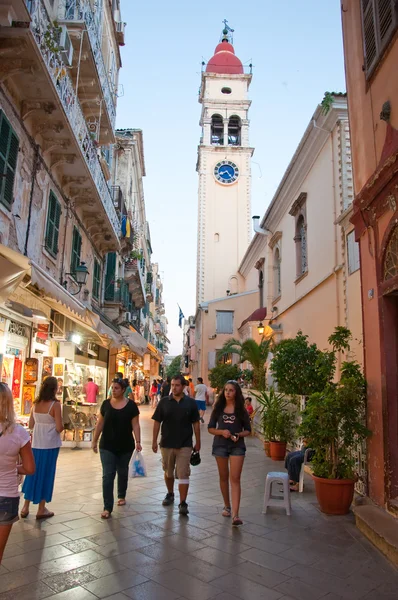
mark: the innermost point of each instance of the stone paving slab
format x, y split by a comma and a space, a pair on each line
148, 552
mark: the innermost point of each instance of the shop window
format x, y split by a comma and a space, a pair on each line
217, 130
9, 145
352, 253
277, 273
224, 321
52, 226
96, 279
76, 250
234, 131
379, 22
110, 275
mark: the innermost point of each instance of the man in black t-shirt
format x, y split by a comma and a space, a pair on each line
178, 415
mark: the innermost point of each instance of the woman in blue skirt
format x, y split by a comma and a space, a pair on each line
46, 422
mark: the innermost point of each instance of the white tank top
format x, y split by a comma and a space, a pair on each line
45, 436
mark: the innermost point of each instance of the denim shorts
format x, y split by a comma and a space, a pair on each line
225, 452
8, 510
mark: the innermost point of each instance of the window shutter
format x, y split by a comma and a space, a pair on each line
76, 250
224, 321
369, 33
110, 277
386, 19
52, 228
9, 145
211, 360
96, 279
353, 253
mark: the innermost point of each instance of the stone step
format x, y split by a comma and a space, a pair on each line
380, 528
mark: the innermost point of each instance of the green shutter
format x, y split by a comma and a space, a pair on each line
52, 228
96, 279
9, 145
110, 277
76, 250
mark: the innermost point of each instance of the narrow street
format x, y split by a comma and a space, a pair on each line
146, 552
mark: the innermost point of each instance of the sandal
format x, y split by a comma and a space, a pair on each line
24, 515
226, 511
105, 514
121, 502
236, 521
46, 515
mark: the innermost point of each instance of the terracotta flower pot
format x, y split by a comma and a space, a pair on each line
267, 449
277, 450
334, 495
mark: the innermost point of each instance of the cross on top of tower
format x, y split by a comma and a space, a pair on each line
227, 33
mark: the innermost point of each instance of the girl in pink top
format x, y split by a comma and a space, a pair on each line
14, 442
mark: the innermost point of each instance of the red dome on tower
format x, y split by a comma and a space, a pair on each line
224, 60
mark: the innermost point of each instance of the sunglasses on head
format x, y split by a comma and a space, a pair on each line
232, 381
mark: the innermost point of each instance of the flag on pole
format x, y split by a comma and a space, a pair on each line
180, 316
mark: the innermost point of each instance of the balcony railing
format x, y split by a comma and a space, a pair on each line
80, 10
40, 26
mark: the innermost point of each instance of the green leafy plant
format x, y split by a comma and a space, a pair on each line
334, 419
300, 368
174, 367
327, 102
252, 352
278, 415
220, 374
52, 36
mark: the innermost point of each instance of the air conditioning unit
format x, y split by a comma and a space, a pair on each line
65, 45
120, 27
127, 316
116, 16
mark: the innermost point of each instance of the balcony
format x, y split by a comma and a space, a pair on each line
133, 276
85, 29
33, 69
13, 10
149, 292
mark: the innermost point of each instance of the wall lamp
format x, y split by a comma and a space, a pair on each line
80, 276
260, 329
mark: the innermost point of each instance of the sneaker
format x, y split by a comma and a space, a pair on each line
168, 499
183, 508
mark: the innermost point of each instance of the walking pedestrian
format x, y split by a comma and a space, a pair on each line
178, 415
117, 422
166, 387
201, 396
230, 424
118, 375
14, 442
147, 389
191, 388
46, 422
154, 393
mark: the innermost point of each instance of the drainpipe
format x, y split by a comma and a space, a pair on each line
336, 254
35, 168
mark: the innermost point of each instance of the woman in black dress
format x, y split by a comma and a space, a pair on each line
118, 421
230, 424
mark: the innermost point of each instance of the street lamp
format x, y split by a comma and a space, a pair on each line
80, 276
260, 329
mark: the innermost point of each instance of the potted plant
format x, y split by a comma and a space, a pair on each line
252, 352
333, 423
278, 422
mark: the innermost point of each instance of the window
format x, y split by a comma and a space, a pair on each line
379, 21
352, 253
96, 279
299, 212
110, 275
224, 321
9, 145
217, 130
226, 90
52, 227
234, 127
302, 235
277, 273
76, 249
391, 257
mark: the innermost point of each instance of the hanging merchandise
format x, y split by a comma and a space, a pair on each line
16, 378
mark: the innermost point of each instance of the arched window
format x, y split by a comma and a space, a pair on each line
301, 246
261, 287
391, 258
233, 285
277, 274
217, 130
234, 130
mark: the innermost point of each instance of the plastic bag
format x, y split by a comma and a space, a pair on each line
137, 465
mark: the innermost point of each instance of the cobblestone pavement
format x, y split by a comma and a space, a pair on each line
147, 552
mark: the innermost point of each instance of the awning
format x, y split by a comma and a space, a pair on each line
134, 340
54, 291
13, 268
113, 339
258, 315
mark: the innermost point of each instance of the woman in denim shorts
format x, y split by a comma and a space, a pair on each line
14, 442
230, 424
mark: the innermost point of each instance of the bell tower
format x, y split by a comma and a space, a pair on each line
224, 168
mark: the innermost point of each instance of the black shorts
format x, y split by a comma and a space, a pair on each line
8, 510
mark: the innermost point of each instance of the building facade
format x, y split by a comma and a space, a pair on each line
370, 32
224, 169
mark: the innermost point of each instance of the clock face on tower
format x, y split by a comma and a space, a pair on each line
226, 172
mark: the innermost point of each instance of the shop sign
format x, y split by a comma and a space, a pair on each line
17, 329
31, 374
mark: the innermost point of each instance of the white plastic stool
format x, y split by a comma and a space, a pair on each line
269, 499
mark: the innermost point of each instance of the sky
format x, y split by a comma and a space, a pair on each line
297, 55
